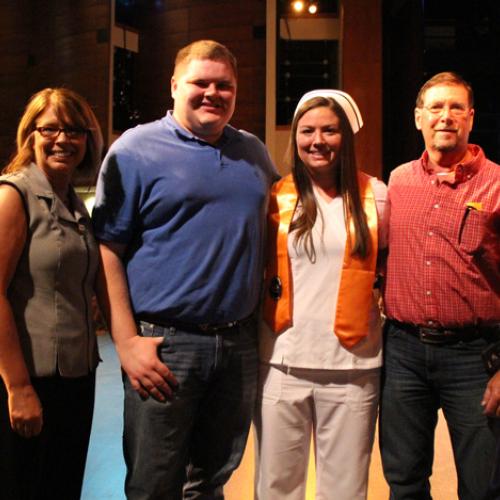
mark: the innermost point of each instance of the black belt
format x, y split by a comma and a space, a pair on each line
206, 328
441, 336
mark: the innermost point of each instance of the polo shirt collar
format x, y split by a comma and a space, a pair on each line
229, 133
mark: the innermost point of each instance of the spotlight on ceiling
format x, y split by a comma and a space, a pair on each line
298, 5
313, 8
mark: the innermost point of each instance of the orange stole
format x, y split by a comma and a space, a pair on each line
358, 275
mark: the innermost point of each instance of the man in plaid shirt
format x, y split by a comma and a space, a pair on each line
442, 300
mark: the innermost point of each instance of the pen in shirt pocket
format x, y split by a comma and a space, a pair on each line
469, 207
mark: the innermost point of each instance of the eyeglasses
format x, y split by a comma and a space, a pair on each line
456, 110
70, 132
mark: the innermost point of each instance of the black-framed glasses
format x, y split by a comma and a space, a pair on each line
70, 132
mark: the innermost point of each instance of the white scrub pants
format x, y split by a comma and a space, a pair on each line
338, 408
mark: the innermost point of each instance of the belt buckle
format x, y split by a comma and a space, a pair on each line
150, 329
429, 336
208, 328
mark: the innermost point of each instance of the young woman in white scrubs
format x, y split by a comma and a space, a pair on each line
320, 340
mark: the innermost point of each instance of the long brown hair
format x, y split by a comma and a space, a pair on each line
72, 109
346, 184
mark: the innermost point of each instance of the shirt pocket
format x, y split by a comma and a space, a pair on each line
472, 229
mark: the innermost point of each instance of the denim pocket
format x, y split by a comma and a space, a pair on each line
152, 330
476, 345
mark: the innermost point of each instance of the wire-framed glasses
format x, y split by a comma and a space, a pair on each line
456, 110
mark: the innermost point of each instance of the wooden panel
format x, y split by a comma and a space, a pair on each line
226, 13
46, 44
13, 77
54, 43
163, 32
362, 76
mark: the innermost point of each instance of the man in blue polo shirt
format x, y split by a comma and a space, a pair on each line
180, 215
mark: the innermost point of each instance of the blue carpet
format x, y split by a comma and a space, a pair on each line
105, 470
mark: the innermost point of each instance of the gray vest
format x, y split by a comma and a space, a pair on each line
53, 285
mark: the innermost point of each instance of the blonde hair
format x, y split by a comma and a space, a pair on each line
72, 109
205, 49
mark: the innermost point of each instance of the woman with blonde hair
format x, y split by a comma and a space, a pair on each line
320, 342
48, 264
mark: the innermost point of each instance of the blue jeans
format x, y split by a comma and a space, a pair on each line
188, 446
418, 379
495, 474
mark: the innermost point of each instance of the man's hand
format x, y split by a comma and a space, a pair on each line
491, 398
147, 374
25, 411
138, 355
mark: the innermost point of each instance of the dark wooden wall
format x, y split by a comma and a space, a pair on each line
238, 25
402, 77
52, 42
362, 76
46, 43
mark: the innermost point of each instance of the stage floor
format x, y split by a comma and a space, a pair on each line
105, 470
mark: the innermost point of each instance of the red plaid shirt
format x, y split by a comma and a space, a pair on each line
438, 270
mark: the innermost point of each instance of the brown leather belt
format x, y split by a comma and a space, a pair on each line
440, 336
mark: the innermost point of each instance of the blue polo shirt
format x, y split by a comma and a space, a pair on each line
192, 217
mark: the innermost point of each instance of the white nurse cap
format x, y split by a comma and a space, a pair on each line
343, 99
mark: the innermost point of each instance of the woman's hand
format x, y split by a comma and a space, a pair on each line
25, 411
